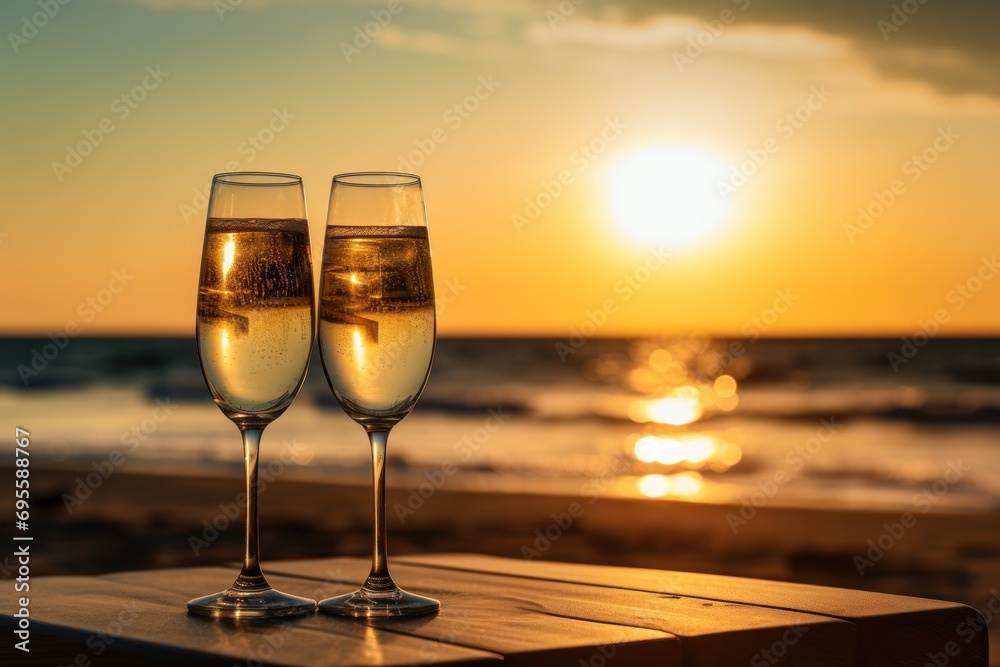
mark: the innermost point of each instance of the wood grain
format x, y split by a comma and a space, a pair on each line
523, 613
711, 634
500, 623
892, 629
99, 621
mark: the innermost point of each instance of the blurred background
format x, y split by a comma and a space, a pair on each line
723, 269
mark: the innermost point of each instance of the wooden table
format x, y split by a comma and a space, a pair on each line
493, 609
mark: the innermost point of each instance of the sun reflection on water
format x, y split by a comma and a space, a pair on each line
682, 406
675, 386
681, 484
693, 451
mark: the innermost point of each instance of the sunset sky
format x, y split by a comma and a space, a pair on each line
525, 121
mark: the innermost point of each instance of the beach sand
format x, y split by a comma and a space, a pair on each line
143, 521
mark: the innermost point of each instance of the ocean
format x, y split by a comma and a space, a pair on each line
845, 423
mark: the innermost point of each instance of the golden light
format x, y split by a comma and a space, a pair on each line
669, 194
654, 486
354, 279
679, 484
725, 386
647, 449
692, 451
730, 454
359, 348
667, 451
699, 449
679, 408
660, 360
728, 403
670, 451
224, 343
228, 256
302, 454
686, 483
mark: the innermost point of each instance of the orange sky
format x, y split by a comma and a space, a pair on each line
161, 94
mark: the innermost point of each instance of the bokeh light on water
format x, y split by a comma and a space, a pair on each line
681, 484
675, 385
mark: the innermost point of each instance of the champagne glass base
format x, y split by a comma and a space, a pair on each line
365, 603
251, 604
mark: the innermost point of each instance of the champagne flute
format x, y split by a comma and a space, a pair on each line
376, 337
255, 330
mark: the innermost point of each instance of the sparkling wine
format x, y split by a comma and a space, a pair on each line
255, 316
376, 330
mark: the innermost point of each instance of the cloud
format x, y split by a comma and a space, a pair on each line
404, 39
958, 37
899, 80
949, 46
489, 7
658, 33
674, 33
482, 7
211, 5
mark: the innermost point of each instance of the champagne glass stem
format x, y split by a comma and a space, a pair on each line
251, 575
379, 596
379, 579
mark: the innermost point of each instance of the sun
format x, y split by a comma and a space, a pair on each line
669, 194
